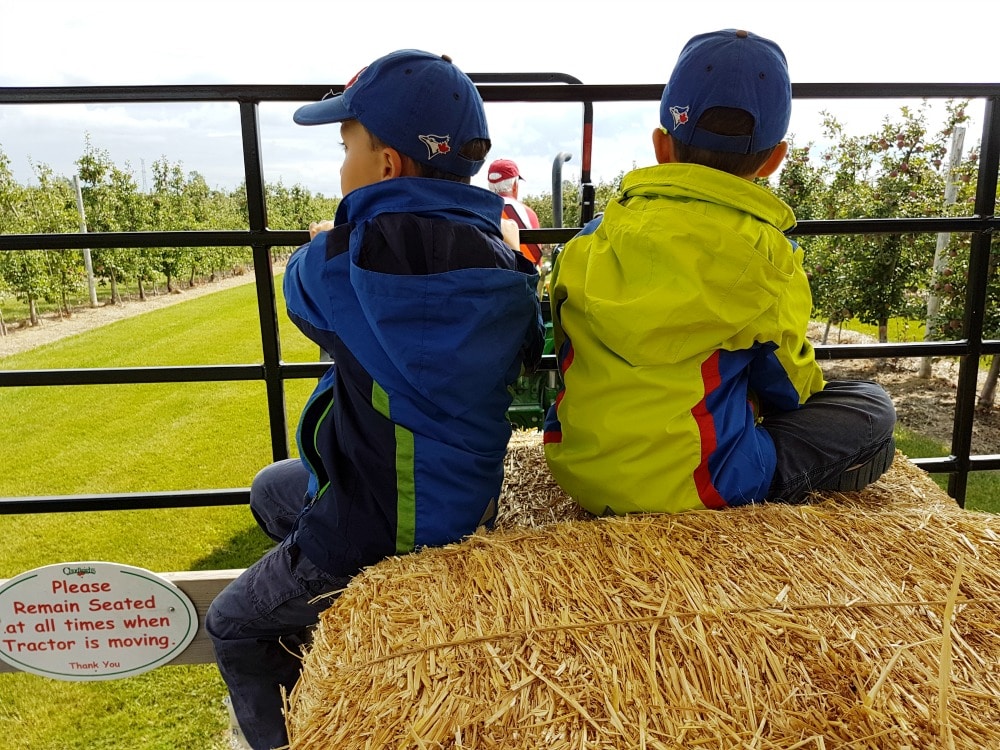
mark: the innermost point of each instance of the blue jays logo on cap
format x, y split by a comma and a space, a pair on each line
418, 103
355, 78
436, 144
680, 115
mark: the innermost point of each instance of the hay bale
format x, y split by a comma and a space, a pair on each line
530, 497
867, 620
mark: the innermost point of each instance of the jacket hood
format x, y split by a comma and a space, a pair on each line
409, 330
695, 269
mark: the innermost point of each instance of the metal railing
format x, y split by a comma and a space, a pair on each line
538, 87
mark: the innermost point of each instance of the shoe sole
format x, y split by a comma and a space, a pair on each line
859, 478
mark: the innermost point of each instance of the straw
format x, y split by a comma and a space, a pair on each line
862, 620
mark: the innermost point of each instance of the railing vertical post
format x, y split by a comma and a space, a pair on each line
975, 303
267, 309
587, 193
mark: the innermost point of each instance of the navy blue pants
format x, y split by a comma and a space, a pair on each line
260, 621
840, 439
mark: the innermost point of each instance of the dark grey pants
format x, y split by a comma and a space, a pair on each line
263, 618
841, 439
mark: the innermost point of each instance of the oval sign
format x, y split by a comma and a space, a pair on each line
93, 621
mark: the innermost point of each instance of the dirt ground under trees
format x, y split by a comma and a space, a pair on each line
924, 405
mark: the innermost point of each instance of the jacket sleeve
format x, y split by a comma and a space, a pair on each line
534, 342
307, 284
784, 372
557, 293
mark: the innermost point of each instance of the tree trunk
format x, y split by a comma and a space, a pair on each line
990, 386
116, 298
883, 338
826, 331
950, 196
33, 312
3, 326
142, 290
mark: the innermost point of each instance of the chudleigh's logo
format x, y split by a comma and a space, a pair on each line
78, 571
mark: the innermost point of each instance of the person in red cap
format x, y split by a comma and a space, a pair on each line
504, 176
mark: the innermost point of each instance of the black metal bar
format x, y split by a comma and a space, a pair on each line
293, 238
240, 496
490, 92
124, 501
928, 224
493, 78
194, 238
304, 370
979, 268
267, 309
941, 465
131, 375
146, 375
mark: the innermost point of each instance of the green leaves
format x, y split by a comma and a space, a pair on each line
899, 171
114, 202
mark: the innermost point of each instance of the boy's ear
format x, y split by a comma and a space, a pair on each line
392, 163
663, 147
774, 160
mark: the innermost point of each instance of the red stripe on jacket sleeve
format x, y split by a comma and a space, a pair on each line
553, 427
711, 378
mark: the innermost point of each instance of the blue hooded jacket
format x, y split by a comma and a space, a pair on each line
429, 318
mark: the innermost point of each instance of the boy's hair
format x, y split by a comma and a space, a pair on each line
474, 150
418, 103
729, 92
729, 122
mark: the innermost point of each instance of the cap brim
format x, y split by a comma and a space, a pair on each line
322, 112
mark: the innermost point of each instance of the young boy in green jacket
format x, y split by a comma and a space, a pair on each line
680, 318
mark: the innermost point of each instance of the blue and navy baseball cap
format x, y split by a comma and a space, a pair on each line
729, 68
414, 101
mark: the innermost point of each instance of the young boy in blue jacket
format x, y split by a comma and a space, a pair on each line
429, 318
680, 319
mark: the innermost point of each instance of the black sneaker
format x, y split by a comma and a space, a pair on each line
860, 476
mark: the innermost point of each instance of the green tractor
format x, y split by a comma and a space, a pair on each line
533, 394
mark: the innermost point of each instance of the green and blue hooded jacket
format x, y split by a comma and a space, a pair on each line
677, 323
428, 318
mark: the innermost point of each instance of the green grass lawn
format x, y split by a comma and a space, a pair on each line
92, 439
898, 329
983, 490
95, 439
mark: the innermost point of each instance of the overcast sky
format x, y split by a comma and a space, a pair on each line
108, 42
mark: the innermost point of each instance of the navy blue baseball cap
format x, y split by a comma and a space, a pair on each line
414, 101
729, 68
